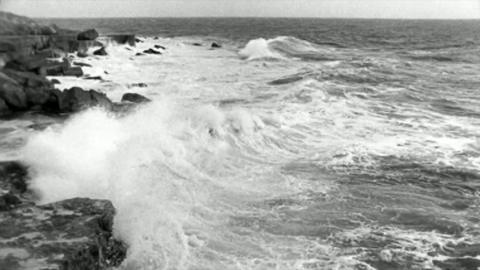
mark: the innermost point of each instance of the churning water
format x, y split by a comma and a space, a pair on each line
300, 144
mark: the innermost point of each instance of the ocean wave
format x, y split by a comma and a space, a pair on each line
285, 47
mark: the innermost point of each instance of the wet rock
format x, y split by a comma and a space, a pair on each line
76, 99
9, 201
81, 64
458, 264
55, 68
99, 78
82, 54
100, 99
159, 47
197, 44
13, 177
73, 71
134, 98
215, 45
101, 52
71, 234
27, 79
137, 40
151, 51
123, 39
12, 93
54, 81
138, 85
139, 54
90, 34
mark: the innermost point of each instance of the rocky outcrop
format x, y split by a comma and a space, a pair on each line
151, 51
100, 52
70, 234
215, 45
134, 98
11, 24
90, 34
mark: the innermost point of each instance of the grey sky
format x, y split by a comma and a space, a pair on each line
263, 8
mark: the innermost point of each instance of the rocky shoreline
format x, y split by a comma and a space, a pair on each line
70, 234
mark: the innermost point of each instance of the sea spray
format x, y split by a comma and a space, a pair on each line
156, 165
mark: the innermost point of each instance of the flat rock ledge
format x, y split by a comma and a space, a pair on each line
70, 234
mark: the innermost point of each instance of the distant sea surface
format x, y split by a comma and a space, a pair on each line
299, 144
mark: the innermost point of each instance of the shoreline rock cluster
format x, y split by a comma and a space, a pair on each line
70, 234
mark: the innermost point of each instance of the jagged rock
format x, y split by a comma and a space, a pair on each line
215, 45
75, 99
73, 71
101, 52
12, 93
160, 47
134, 98
70, 234
80, 64
100, 99
90, 34
151, 51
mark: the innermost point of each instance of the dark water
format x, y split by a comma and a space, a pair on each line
391, 118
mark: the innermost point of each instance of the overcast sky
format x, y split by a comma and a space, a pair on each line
246, 8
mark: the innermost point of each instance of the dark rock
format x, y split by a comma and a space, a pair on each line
80, 64
55, 68
82, 54
73, 71
8, 201
54, 81
137, 40
90, 34
134, 98
458, 264
138, 85
4, 109
94, 78
160, 47
139, 54
123, 39
12, 93
155, 38
71, 234
27, 79
151, 51
197, 44
100, 99
75, 99
101, 52
36, 96
13, 177
7, 47
215, 45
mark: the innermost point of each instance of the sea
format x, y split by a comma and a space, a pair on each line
299, 144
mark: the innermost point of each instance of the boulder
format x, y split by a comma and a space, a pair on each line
82, 54
139, 54
27, 79
90, 34
54, 81
134, 98
197, 44
36, 96
151, 51
159, 47
73, 71
12, 93
215, 45
137, 40
123, 39
101, 52
100, 99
